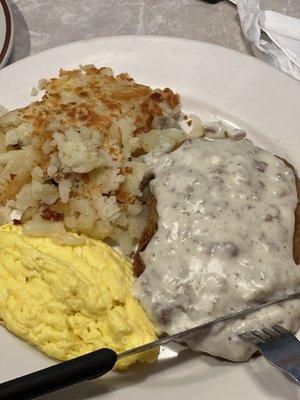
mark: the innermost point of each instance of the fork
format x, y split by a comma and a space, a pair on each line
279, 347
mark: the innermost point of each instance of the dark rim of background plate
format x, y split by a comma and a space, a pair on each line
8, 29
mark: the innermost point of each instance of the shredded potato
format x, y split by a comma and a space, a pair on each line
74, 160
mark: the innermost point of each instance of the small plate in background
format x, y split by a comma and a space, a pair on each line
6, 32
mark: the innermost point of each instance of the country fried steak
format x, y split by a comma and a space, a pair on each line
152, 225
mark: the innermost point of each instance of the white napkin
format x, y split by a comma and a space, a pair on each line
281, 46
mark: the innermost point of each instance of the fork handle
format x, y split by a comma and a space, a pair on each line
89, 366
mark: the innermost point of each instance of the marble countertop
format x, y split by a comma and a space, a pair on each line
41, 24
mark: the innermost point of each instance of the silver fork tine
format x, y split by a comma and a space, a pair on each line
261, 336
271, 333
250, 338
279, 329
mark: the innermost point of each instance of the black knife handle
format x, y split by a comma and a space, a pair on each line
212, 1
65, 374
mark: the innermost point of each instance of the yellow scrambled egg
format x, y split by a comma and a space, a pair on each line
69, 301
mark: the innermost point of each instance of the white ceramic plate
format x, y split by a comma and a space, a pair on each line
215, 82
6, 32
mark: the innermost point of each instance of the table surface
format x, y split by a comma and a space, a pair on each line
41, 24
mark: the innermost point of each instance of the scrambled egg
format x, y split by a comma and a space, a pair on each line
69, 301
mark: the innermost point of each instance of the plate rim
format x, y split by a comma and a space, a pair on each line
218, 47
7, 46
